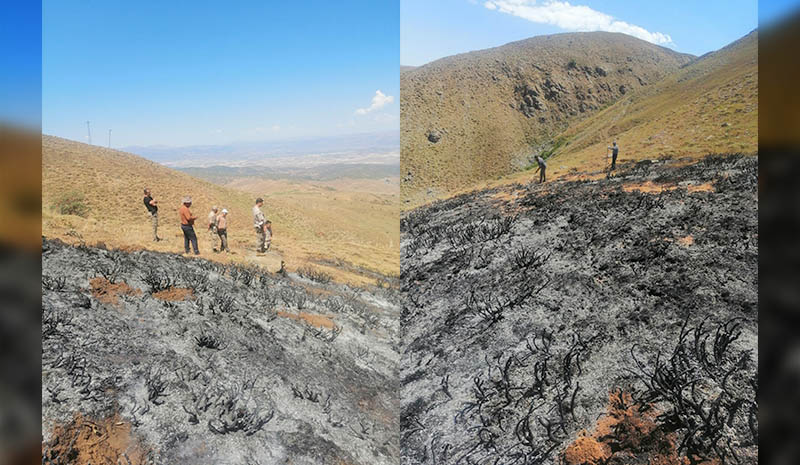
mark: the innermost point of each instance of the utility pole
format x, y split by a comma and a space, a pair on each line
109, 138
89, 132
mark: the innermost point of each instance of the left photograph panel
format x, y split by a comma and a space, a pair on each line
220, 222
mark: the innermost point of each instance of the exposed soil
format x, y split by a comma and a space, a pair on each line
526, 305
651, 187
627, 433
108, 293
174, 294
320, 321
217, 378
84, 441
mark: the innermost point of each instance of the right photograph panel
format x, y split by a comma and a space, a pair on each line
579, 235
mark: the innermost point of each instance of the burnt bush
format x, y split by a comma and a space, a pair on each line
314, 274
157, 279
706, 389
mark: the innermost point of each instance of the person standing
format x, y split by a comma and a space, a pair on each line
212, 226
152, 207
614, 152
262, 226
187, 226
541, 169
222, 230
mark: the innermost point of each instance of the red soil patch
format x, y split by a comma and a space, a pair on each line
108, 293
587, 450
625, 435
84, 441
650, 187
705, 187
685, 241
174, 294
320, 321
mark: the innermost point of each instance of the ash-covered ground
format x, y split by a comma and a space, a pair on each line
201, 363
598, 322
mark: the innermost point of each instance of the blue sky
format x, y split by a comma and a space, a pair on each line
435, 29
20, 81
189, 72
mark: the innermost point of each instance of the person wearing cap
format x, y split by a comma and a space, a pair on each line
152, 207
262, 226
187, 226
212, 226
222, 230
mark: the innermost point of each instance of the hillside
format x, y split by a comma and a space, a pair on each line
480, 115
610, 321
153, 358
112, 181
708, 106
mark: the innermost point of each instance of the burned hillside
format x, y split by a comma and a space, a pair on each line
157, 358
585, 322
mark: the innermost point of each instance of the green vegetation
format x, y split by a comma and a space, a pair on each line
72, 203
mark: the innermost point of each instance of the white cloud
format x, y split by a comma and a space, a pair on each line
379, 100
273, 128
573, 18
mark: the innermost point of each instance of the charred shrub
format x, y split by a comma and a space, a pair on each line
197, 282
111, 271
314, 274
244, 274
706, 389
208, 340
51, 320
221, 302
54, 283
156, 384
233, 412
157, 279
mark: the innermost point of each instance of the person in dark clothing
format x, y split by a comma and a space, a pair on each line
614, 152
152, 207
187, 226
541, 169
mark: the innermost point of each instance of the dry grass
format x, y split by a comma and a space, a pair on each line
473, 100
679, 117
355, 221
319, 321
710, 106
174, 294
307, 224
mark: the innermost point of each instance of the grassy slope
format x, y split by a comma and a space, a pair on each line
680, 116
112, 182
356, 219
473, 100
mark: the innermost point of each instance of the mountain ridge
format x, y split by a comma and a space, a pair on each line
476, 116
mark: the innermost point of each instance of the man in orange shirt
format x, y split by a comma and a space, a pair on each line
187, 226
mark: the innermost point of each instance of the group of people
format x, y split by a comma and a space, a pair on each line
217, 224
614, 148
